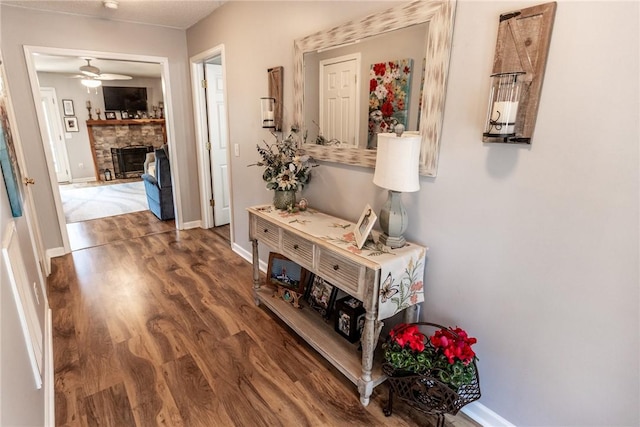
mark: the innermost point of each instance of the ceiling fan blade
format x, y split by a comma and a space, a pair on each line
108, 76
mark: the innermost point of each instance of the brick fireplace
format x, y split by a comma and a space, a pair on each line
105, 135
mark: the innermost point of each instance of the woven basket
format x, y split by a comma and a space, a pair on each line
426, 392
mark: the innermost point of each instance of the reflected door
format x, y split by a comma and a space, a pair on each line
339, 99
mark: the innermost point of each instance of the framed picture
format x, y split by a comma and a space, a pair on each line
8, 160
110, 115
283, 272
321, 296
67, 107
71, 124
364, 225
350, 318
124, 115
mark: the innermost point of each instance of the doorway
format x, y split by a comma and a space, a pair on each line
210, 110
53, 131
31, 52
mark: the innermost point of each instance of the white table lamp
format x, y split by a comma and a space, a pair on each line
396, 170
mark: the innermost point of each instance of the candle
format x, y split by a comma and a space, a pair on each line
503, 117
88, 104
97, 111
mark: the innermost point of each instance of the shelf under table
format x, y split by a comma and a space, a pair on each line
321, 336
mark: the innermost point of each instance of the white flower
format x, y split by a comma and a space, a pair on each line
381, 92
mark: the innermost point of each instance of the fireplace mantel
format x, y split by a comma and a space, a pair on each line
119, 126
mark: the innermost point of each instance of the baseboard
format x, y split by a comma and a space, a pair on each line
52, 253
191, 225
248, 256
484, 416
49, 381
87, 179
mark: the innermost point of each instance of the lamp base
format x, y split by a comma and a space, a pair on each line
392, 242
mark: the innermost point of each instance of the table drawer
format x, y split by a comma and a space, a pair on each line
298, 249
267, 233
342, 272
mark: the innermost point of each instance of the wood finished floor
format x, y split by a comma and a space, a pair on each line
155, 327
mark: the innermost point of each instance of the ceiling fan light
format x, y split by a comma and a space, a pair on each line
91, 83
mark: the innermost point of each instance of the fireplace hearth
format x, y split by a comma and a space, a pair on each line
128, 162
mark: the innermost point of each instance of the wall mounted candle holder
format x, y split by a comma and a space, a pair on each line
272, 105
518, 70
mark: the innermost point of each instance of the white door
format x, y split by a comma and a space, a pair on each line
216, 120
55, 136
339, 98
21, 244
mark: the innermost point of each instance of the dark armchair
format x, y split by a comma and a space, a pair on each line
158, 187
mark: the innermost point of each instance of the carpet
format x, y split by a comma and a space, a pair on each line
83, 204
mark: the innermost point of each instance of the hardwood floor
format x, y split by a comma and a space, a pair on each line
158, 327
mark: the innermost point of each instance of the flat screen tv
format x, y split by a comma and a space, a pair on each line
125, 98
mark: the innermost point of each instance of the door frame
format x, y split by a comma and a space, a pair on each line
200, 121
29, 51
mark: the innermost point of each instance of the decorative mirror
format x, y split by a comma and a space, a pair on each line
410, 44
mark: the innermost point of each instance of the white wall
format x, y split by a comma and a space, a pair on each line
28, 27
534, 250
78, 145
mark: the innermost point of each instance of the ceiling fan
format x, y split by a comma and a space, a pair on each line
92, 77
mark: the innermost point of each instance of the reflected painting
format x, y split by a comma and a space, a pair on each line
8, 162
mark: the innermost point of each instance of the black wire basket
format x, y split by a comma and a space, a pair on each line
426, 392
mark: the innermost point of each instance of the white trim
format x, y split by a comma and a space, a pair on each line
52, 253
204, 172
485, 416
191, 225
49, 377
35, 89
248, 256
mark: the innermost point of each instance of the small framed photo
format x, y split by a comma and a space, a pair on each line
124, 115
110, 115
321, 296
71, 124
67, 107
283, 272
364, 225
350, 317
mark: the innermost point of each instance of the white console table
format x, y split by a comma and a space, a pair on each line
323, 245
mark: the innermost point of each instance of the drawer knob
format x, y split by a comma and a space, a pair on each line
336, 267
295, 246
266, 230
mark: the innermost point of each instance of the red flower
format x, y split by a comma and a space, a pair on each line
410, 335
455, 345
416, 286
373, 84
387, 109
379, 69
407, 70
349, 237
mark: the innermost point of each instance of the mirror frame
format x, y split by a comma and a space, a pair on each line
440, 16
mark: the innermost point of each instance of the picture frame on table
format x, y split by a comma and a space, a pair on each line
364, 225
110, 115
71, 124
124, 115
321, 296
289, 278
67, 107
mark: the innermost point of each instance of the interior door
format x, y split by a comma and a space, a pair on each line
339, 98
55, 136
216, 122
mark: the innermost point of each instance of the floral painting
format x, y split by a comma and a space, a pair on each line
8, 161
389, 86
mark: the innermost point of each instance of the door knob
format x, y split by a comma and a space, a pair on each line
28, 181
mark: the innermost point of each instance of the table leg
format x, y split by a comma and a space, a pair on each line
256, 271
411, 314
365, 384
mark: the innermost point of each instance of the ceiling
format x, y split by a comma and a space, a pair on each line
180, 14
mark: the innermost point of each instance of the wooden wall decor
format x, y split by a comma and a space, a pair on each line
275, 92
522, 47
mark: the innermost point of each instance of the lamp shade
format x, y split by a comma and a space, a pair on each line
397, 162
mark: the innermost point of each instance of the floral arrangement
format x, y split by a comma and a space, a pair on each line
446, 355
285, 168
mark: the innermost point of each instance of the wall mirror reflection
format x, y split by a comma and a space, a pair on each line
364, 77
